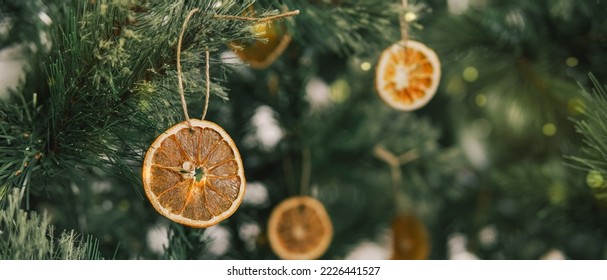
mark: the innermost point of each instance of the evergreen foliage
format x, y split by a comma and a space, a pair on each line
592, 157
30, 236
490, 148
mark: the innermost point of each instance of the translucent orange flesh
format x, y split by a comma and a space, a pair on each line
184, 195
419, 71
410, 239
294, 222
259, 51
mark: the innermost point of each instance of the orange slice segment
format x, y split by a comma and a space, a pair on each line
300, 229
407, 75
194, 176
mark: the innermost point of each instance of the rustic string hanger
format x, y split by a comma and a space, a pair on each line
395, 162
404, 25
207, 55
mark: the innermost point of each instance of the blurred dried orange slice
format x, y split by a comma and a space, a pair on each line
410, 238
260, 54
407, 75
194, 176
300, 229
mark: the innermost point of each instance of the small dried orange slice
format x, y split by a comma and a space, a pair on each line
300, 229
194, 176
407, 75
261, 54
410, 238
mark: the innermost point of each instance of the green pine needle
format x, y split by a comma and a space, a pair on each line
594, 129
30, 236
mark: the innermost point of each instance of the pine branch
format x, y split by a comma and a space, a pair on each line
594, 129
20, 149
345, 27
109, 85
185, 243
30, 236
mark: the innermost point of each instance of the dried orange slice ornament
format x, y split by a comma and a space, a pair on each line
407, 75
194, 176
260, 54
410, 238
300, 229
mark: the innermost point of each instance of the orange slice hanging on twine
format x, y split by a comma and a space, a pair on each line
407, 75
261, 54
300, 229
194, 177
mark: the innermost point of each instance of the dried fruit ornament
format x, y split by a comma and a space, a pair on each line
408, 72
300, 229
273, 40
260, 54
407, 75
192, 173
409, 238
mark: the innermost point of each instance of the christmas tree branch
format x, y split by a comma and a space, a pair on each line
108, 75
30, 236
594, 129
344, 27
